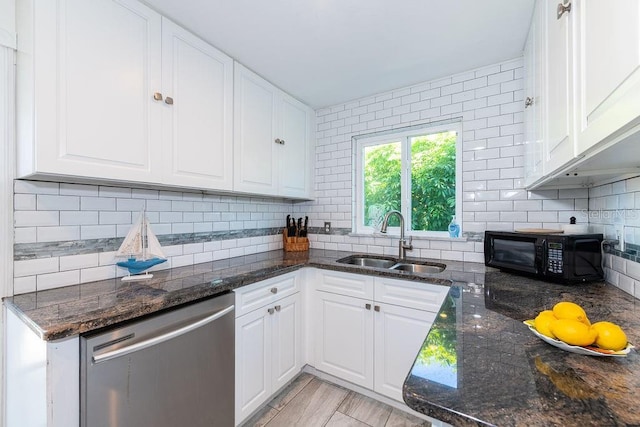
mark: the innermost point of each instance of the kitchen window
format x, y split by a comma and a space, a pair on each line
417, 171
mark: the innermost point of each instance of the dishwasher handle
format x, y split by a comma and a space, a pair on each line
160, 338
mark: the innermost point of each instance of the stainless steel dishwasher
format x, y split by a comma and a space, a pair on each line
172, 369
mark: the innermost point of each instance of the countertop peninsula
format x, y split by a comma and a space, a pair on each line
480, 365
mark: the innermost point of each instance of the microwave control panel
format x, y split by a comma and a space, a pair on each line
554, 257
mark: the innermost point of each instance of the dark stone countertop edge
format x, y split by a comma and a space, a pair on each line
96, 320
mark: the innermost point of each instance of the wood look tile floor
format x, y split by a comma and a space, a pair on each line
309, 401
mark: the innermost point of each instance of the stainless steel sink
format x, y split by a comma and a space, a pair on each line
365, 261
392, 264
419, 268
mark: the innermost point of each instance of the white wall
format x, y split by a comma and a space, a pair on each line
489, 101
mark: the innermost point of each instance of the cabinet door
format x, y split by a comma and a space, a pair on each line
608, 53
96, 66
255, 163
198, 100
253, 362
560, 148
533, 60
399, 334
295, 129
344, 338
286, 340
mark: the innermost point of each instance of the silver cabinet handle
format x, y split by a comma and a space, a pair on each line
279, 141
528, 102
157, 96
168, 100
270, 310
160, 338
367, 306
277, 307
376, 308
274, 290
562, 8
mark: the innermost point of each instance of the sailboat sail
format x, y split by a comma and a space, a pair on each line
132, 245
153, 246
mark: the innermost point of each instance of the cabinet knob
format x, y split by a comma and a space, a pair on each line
270, 310
562, 8
157, 96
376, 308
168, 100
528, 102
277, 307
367, 306
279, 141
274, 290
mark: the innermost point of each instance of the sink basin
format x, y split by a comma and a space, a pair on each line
392, 264
366, 261
418, 268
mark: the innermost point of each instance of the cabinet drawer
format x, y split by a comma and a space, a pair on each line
418, 295
337, 282
259, 294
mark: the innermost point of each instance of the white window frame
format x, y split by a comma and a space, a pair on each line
403, 135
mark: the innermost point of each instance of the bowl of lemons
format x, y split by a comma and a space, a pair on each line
567, 327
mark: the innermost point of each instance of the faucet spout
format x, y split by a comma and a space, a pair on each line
402, 244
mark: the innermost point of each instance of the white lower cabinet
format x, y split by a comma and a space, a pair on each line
268, 346
371, 342
344, 338
399, 334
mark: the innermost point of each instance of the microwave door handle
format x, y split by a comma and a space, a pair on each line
541, 262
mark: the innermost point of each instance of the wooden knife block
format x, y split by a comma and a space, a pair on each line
294, 244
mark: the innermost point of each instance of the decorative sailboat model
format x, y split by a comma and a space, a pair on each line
142, 249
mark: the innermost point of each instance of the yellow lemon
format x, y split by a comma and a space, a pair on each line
610, 336
573, 332
542, 321
570, 310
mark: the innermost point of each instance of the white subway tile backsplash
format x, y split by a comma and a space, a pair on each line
88, 232
23, 285
55, 280
97, 204
36, 218
35, 187
57, 234
26, 202
76, 262
100, 273
34, 267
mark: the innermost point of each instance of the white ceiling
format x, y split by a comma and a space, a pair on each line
326, 52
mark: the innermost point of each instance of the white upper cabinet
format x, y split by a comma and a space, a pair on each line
109, 90
255, 154
198, 106
589, 89
559, 138
87, 72
273, 139
534, 100
608, 78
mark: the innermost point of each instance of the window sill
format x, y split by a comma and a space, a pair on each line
415, 237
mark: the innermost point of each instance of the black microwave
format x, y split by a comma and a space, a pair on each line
564, 258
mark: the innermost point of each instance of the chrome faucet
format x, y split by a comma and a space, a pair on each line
403, 246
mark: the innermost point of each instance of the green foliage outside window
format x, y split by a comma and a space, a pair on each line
433, 179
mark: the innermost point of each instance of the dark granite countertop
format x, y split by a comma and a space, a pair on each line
72, 310
480, 365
